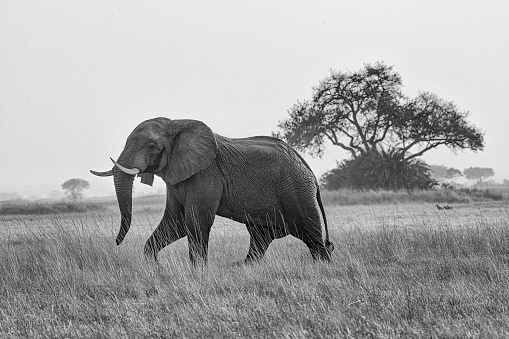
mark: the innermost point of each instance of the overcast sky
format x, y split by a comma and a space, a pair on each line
76, 77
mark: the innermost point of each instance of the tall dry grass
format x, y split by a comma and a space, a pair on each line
404, 272
355, 197
26, 207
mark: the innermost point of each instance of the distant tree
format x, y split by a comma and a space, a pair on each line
438, 171
452, 173
478, 173
74, 188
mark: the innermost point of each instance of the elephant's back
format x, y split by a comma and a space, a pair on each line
262, 174
265, 155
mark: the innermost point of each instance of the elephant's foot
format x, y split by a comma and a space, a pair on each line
329, 245
254, 257
150, 255
321, 254
251, 261
247, 262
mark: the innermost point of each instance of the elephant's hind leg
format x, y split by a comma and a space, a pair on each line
260, 240
311, 234
317, 248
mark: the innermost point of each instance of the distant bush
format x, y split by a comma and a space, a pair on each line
20, 207
384, 170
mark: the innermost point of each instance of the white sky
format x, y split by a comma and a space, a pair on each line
77, 76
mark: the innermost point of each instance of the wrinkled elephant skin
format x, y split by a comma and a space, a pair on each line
259, 181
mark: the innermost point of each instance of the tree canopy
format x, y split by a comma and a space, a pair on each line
439, 172
478, 173
366, 111
453, 173
74, 188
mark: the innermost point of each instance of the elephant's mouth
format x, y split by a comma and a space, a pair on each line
156, 166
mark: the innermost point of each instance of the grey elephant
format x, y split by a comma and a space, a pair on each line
259, 181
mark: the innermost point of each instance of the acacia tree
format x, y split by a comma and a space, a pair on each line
441, 172
478, 173
453, 173
366, 112
438, 172
74, 188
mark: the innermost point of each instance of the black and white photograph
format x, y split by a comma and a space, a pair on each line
254, 169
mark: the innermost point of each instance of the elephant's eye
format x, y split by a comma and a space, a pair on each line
153, 148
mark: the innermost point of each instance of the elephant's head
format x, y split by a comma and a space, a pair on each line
172, 149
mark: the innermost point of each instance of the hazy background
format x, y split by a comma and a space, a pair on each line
76, 77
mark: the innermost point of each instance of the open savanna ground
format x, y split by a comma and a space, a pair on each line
400, 269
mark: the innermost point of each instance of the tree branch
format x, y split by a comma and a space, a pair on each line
424, 150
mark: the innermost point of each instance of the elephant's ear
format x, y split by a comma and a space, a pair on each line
147, 178
194, 149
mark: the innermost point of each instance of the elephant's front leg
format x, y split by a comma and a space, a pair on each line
170, 229
202, 196
198, 224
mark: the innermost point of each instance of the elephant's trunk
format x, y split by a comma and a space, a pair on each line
124, 191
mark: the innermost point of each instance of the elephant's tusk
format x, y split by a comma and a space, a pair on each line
102, 174
130, 171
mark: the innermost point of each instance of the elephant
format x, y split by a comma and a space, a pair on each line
259, 181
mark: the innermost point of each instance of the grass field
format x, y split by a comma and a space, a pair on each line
399, 270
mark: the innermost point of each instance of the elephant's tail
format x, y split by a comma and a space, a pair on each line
328, 244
